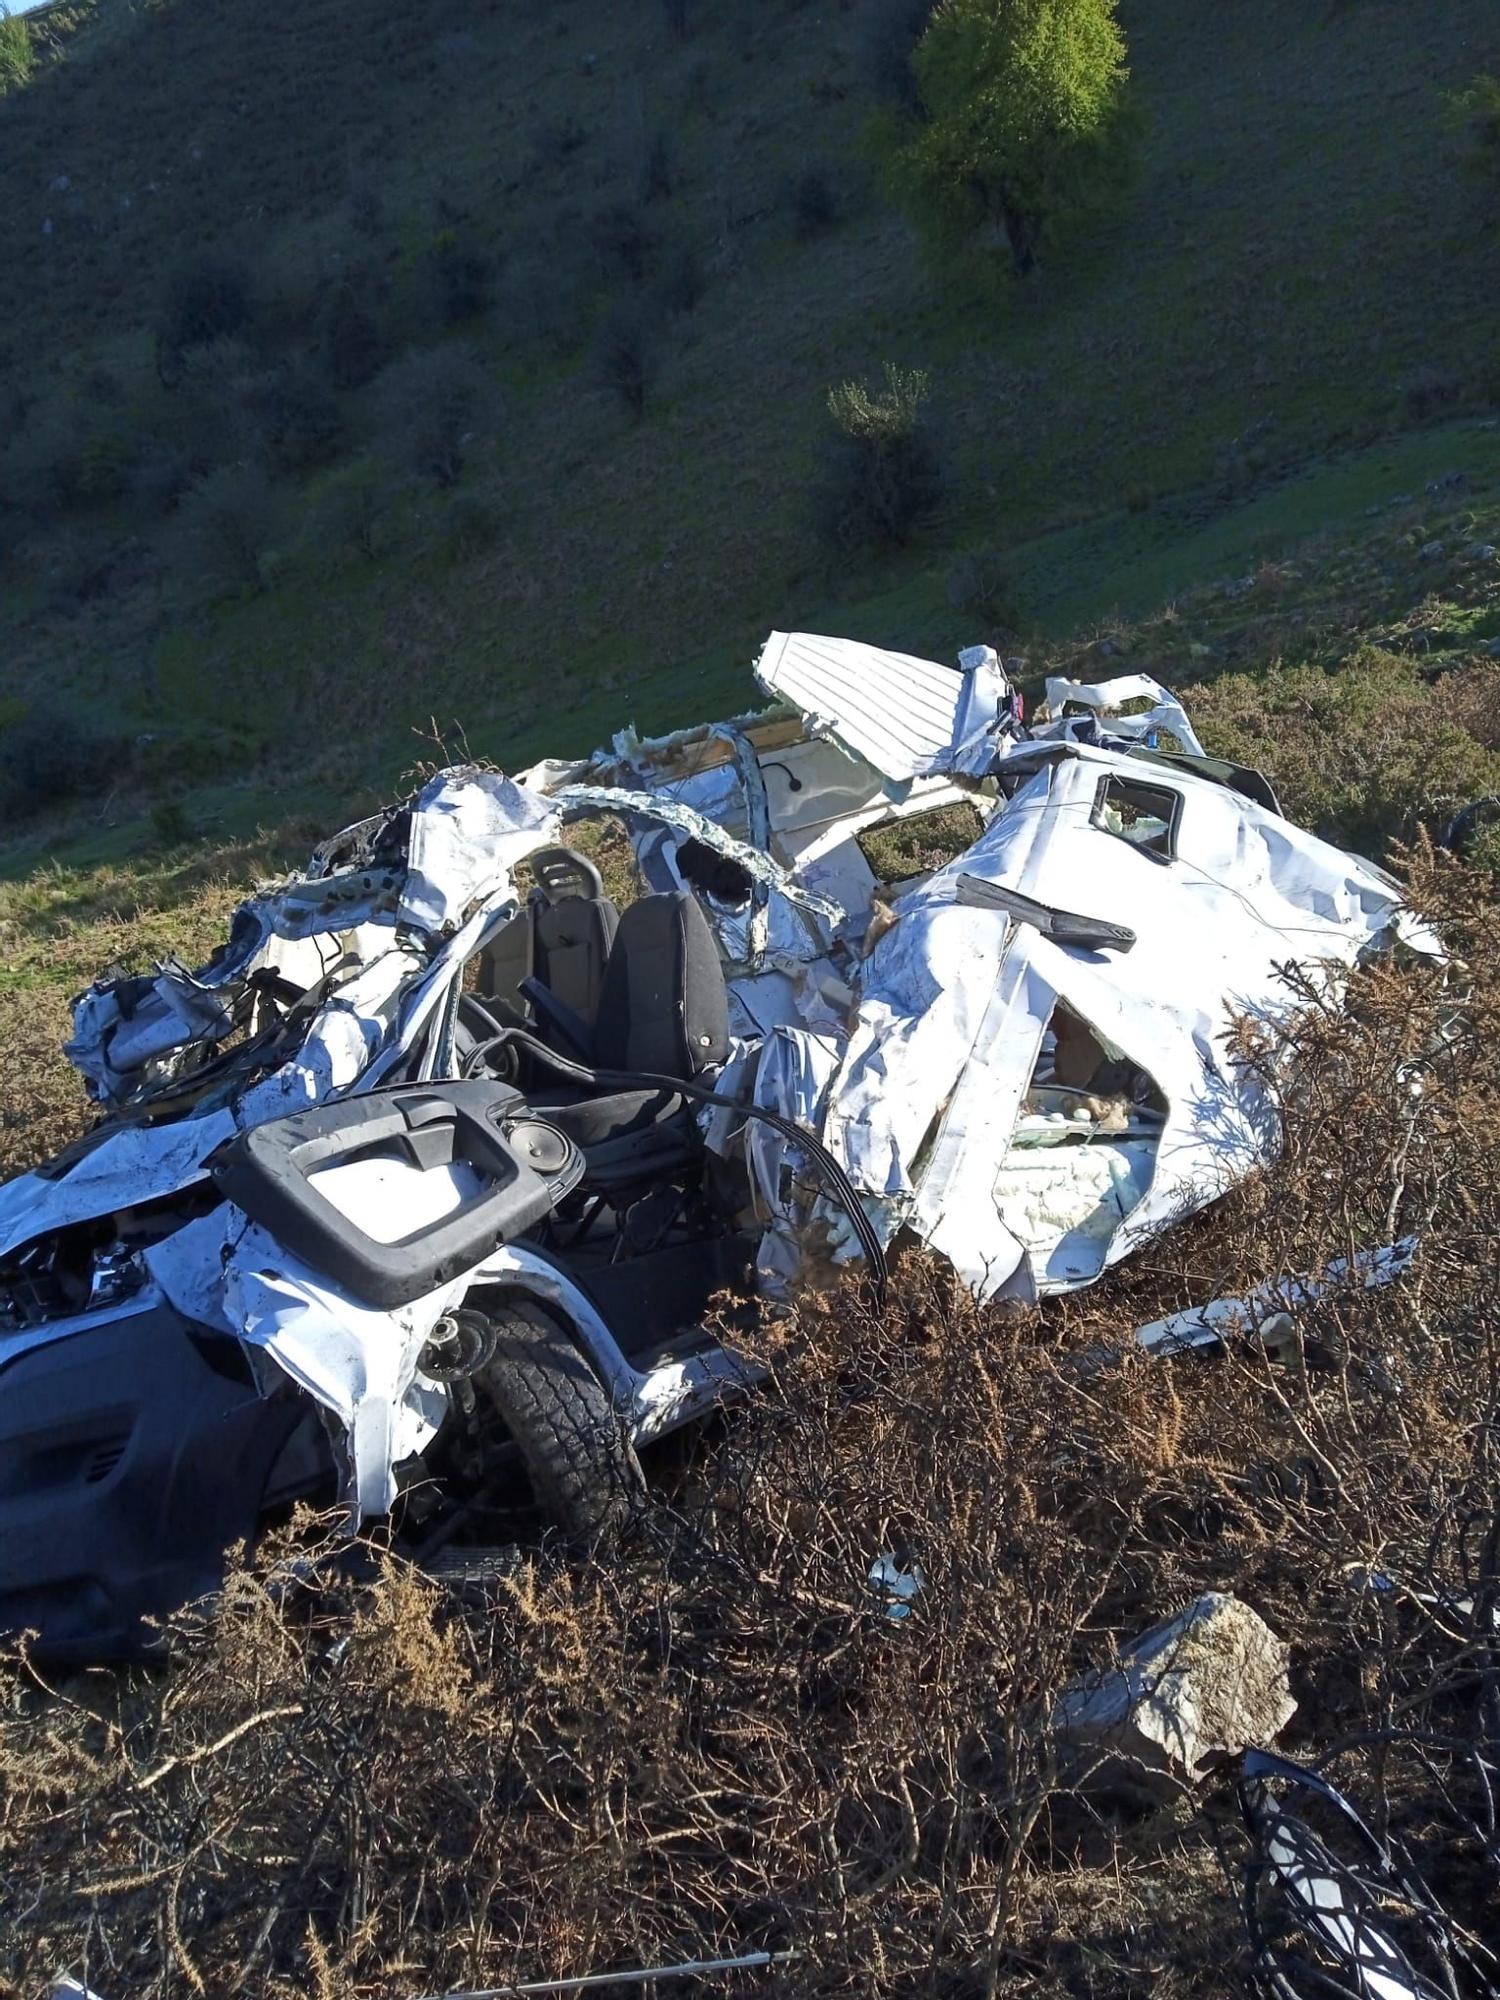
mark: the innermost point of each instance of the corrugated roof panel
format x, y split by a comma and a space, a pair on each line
896, 712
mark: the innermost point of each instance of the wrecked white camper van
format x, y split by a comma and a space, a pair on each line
422, 1176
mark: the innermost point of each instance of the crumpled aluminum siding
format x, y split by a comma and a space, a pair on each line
906, 717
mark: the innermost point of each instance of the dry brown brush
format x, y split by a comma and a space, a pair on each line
721, 1739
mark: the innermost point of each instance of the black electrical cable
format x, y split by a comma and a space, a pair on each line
618, 1079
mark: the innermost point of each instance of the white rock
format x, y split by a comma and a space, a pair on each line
1204, 1686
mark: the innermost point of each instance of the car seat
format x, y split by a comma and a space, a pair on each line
555, 957
663, 1010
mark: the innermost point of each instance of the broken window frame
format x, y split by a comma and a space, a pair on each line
907, 823
1115, 786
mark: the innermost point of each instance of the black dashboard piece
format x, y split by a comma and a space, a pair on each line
525, 1167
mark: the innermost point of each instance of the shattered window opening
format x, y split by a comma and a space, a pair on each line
1083, 1152
1145, 815
898, 850
717, 876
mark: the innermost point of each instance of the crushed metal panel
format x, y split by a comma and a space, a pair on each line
954, 1003
1103, 701
1222, 1320
906, 717
469, 829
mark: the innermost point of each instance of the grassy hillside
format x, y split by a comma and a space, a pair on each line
1300, 286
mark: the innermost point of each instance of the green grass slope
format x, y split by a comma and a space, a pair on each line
1301, 281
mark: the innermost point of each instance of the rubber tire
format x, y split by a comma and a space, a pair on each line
585, 1476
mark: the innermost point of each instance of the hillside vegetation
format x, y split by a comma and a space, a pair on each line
366, 365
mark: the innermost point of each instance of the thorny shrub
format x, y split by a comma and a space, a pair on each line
718, 1738
1475, 114
1377, 747
881, 477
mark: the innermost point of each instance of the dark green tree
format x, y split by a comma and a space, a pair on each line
428, 403
226, 524
1021, 118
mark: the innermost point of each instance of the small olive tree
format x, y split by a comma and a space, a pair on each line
428, 403
1475, 115
17, 55
882, 477
225, 526
1021, 118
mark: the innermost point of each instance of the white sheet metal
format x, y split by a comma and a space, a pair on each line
906, 717
469, 830
344, 1036
1105, 699
355, 1360
1212, 1324
954, 1003
134, 1164
793, 1077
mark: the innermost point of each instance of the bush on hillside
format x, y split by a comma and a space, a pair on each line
427, 402
109, 448
626, 358
213, 412
209, 296
300, 422
1372, 751
469, 523
87, 566
812, 203
624, 242
1022, 119
67, 452
226, 525
546, 295
161, 473
882, 479
557, 139
353, 510
50, 755
41, 471
351, 342
978, 586
17, 55
461, 278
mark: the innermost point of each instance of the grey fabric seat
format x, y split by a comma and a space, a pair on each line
663, 1011
571, 942
664, 1007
